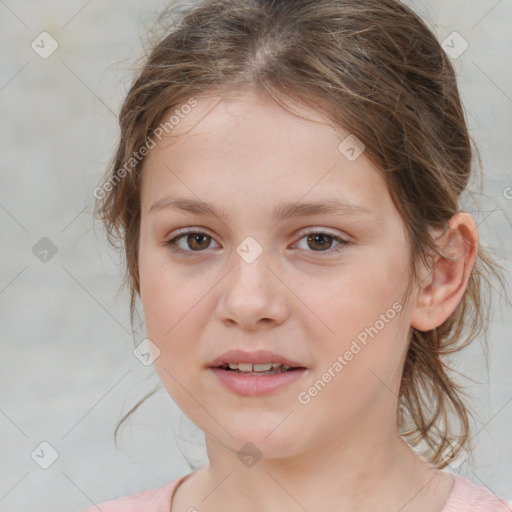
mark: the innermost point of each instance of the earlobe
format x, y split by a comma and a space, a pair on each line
441, 291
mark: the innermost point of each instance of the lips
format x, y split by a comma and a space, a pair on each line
256, 357
254, 385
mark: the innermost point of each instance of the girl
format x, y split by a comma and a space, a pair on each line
287, 189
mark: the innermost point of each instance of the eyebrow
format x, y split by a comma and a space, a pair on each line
280, 212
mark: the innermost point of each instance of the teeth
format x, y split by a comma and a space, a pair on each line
262, 367
248, 367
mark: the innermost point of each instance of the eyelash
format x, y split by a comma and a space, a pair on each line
173, 247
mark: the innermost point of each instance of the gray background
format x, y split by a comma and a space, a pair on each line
68, 372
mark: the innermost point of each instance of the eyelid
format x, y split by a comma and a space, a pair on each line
342, 241
319, 229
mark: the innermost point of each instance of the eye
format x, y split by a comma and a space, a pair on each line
321, 241
198, 241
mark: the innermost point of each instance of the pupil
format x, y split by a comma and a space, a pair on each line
197, 236
319, 236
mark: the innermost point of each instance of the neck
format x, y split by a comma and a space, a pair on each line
376, 473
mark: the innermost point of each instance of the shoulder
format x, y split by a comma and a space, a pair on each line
465, 495
157, 499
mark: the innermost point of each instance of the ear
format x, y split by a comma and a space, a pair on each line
441, 291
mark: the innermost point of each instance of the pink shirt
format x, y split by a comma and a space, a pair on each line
465, 496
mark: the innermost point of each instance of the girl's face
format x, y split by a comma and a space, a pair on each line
320, 288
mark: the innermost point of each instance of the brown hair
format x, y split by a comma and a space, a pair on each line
371, 66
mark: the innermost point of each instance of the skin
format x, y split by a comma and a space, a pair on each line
246, 154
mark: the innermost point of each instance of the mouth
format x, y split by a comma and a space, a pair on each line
254, 361
258, 379
256, 373
258, 369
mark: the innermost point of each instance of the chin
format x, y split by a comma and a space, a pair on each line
271, 437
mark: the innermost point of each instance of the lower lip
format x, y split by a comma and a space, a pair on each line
256, 385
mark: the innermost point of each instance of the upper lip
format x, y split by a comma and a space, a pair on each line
256, 357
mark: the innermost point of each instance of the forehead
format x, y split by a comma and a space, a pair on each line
247, 114
248, 145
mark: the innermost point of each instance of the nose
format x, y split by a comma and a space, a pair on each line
252, 296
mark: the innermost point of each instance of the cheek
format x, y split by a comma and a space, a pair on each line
175, 307
355, 298
360, 362
363, 320
150, 289
160, 295
170, 302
